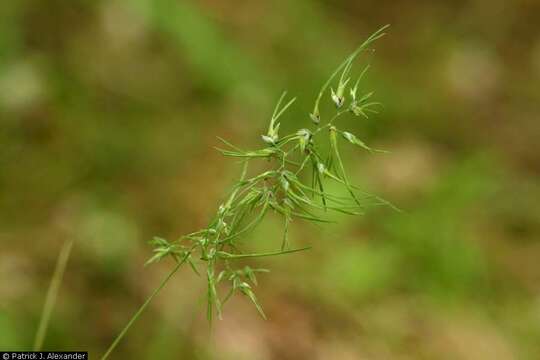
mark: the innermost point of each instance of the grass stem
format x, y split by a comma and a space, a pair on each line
52, 294
141, 309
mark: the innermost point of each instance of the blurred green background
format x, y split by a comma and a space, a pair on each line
108, 114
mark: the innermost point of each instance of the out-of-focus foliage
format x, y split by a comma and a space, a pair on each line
108, 114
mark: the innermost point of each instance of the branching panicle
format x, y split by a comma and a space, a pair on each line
281, 189
293, 187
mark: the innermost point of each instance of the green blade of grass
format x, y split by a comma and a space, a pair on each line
52, 293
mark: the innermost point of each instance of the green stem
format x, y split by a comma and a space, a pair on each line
226, 255
52, 293
334, 145
141, 309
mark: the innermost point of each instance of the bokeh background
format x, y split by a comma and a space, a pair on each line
109, 111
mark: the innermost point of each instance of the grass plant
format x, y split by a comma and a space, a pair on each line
297, 167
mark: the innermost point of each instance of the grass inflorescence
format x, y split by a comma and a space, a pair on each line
298, 167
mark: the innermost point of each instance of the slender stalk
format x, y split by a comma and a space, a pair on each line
52, 294
141, 309
225, 255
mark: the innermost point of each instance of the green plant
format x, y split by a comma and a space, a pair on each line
52, 293
280, 188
